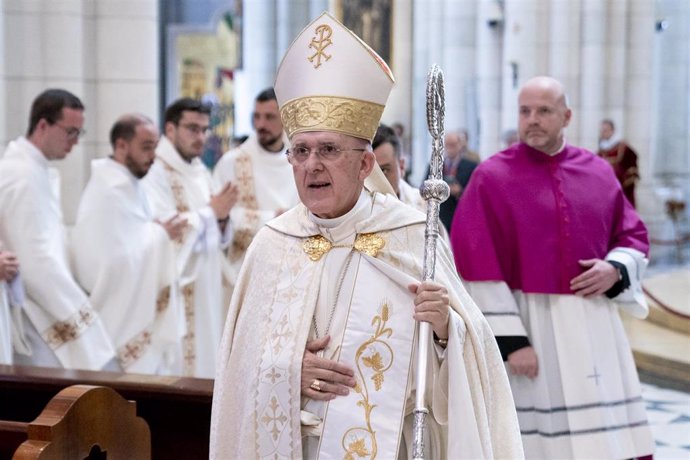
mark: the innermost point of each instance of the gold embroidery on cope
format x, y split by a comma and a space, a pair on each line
366, 243
319, 43
274, 418
374, 357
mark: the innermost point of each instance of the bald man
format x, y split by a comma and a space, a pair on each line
549, 248
115, 237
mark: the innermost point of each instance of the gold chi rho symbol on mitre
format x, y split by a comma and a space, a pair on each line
319, 43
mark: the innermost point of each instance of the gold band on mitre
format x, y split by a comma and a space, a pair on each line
353, 117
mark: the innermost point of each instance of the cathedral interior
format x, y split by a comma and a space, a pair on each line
625, 61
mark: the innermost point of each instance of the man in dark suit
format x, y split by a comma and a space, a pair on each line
457, 169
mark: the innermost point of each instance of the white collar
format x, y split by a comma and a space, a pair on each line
341, 227
606, 144
33, 151
559, 150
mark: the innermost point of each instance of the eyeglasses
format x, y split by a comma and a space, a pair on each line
72, 132
326, 153
196, 129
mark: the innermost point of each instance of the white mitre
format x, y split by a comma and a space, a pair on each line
330, 80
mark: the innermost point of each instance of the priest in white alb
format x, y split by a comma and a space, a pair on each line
263, 177
10, 304
317, 354
62, 328
179, 183
125, 259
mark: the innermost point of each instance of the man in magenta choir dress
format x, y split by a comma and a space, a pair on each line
550, 248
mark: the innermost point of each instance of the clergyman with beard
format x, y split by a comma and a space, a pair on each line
179, 182
263, 175
116, 237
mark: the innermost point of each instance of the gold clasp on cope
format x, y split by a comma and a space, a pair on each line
366, 243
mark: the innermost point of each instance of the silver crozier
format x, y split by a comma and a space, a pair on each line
434, 191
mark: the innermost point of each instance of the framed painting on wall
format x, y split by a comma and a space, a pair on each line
201, 64
372, 21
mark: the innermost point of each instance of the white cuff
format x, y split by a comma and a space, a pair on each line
632, 298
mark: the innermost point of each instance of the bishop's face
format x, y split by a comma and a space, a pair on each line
330, 187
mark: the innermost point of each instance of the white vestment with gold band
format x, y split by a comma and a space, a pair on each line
282, 292
126, 262
174, 186
266, 188
63, 329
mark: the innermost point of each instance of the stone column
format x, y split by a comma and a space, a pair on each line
525, 39
489, 33
259, 58
426, 43
45, 45
637, 100
592, 86
123, 72
671, 109
104, 52
292, 16
666, 172
399, 106
564, 56
4, 138
458, 62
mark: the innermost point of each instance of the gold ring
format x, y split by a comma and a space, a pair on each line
315, 385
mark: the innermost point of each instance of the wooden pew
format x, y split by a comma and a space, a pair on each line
83, 421
12, 434
177, 410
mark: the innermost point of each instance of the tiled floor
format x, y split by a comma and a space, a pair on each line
669, 417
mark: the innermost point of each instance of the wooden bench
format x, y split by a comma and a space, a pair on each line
80, 422
177, 410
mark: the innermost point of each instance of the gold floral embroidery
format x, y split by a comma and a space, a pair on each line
131, 351
70, 329
367, 243
373, 358
241, 240
188, 341
245, 181
135, 348
181, 204
163, 300
177, 188
328, 113
243, 237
